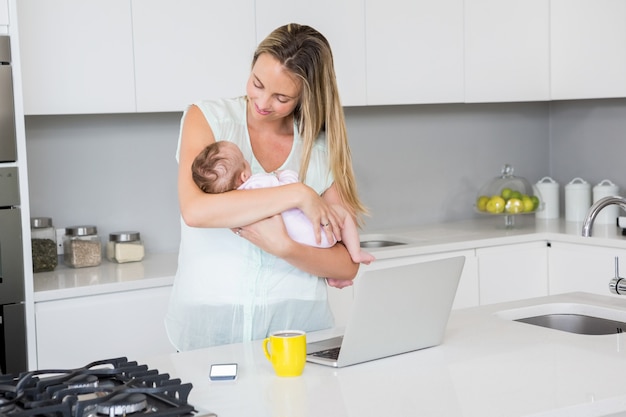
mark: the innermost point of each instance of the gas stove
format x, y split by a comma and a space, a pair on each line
113, 387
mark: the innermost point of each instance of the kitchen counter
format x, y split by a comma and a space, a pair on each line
155, 270
159, 269
488, 231
486, 366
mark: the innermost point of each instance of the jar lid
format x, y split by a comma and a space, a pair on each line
40, 222
605, 183
81, 230
124, 236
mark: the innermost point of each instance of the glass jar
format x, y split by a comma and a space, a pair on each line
82, 247
44, 244
125, 247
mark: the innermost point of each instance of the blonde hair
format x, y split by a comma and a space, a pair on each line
306, 53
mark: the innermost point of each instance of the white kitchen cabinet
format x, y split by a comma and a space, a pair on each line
512, 272
76, 56
414, 51
587, 47
73, 332
507, 50
4, 12
579, 267
342, 23
188, 50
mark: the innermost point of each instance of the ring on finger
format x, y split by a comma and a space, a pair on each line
326, 224
238, 232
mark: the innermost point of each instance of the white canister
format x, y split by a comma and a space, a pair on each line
548, 191
577, 200
609, 214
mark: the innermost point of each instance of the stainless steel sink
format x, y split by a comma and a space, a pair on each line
570, 317
576, 323
383, 241
380, 243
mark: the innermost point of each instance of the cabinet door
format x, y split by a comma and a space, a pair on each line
512, 272
188, 50
342, 23
76, 56
77, 331
414, 51
4, 12
587, 44
574, 267
507, 55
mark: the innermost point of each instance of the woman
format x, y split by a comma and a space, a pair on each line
240, 276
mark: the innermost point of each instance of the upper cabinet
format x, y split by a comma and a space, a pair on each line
414, 51
120, 56
77, 56
188, 50
588, 48
4, 12
342, 23
507, 50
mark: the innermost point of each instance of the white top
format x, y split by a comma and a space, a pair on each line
227, 290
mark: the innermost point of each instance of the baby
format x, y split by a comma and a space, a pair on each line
221, 167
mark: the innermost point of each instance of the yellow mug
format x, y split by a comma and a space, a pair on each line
286, 350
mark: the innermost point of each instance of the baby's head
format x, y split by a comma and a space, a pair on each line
220, 167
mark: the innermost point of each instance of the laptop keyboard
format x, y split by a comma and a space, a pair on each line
328, 353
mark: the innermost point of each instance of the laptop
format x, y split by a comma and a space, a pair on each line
395, 310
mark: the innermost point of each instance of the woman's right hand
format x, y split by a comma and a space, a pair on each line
269, 234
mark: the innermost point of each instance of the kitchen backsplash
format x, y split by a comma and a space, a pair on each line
414, 164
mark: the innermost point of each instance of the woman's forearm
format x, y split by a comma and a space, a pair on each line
332, 262
237, 208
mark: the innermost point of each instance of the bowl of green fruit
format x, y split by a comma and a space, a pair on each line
508, 196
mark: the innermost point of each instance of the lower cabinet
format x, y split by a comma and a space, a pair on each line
574, 267
512, 272
74, 332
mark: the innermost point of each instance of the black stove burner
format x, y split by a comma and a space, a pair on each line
113, 387
123, 404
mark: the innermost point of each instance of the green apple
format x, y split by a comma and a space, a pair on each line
514, 206
481, 203
535, 201
528, 204
495, 205
506, 193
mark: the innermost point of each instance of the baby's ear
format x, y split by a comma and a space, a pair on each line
244, 176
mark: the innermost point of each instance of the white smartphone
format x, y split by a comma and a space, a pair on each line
223, 372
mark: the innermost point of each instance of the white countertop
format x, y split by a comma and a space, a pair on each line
159, 269
487, 366
155, 270
490, 231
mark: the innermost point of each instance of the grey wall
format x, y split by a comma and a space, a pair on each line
115, 171
588, 140
426, 164
414, 164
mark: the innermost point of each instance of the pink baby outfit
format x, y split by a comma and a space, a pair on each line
299, 227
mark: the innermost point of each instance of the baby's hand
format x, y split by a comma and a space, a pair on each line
339, 283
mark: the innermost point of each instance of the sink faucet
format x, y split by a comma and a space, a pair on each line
595, 209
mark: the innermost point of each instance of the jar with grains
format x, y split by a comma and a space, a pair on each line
44, 244
125, 247
82, 247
